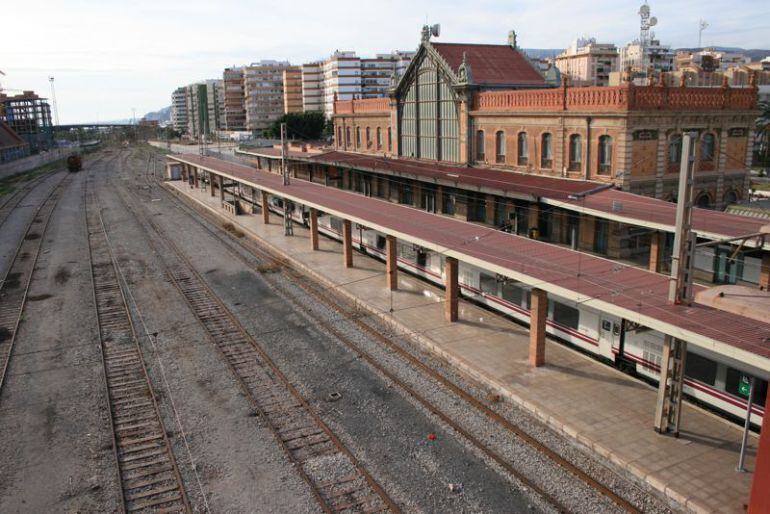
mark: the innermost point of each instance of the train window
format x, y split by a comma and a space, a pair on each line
422, 259
700, 368
512, 293
606, 325
380, 242
566, 315
733, 382
488, 284
336, 224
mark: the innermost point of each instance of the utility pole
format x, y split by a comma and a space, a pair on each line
288, 228
668, 410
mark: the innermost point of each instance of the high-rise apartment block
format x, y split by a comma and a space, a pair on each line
588, 63
235, 107
179, 109
292, 90
205, 107
263, 90
345, 76
312, 87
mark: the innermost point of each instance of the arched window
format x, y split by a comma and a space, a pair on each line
703, 200
358, 137
347, 136
480, 145
605, 155
707, 145
339, 136
575, 152
546, 151
368, 137
390, 140
523, 151
379, 138
500, 147
674, 151
730, 198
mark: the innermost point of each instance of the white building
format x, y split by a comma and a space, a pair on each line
588, 63
710, 60
646, 53
348, 76
312, 87
341, 77
179, 109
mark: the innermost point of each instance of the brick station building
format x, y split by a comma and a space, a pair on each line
484, 112
473, 105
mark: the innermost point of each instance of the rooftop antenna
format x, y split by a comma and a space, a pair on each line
53, 100
647, 22
702, 25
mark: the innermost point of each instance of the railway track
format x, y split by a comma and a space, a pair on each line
11, 201
353, 315
15, 284
338, 481
149, 477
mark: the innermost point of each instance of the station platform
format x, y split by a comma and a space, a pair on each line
601, 408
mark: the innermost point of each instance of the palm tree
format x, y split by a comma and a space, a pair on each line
763, 132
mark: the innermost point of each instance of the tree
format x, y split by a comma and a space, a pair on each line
763, 133
300, 125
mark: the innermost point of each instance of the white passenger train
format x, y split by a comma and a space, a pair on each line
708, 380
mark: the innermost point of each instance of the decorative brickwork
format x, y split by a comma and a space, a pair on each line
617, 98
359, 106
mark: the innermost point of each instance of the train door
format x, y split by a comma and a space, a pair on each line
609, 336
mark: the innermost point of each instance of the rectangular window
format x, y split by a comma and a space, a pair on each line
700, 368
512, 293
448, 202
566, 315
488, 284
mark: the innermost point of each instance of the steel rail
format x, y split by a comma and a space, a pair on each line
323, 295
14, 286
303, 436
147, 472
15, 198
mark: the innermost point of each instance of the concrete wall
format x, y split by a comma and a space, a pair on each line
32, 162
193, 149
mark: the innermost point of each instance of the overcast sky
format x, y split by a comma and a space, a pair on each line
108, 56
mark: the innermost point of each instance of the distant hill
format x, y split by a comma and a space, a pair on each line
161, 116
540, 53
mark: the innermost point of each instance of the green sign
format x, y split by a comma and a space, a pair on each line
744, 387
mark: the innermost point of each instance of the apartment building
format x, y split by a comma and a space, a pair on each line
292, 90
205, 107
312, 87
345, 76
709, 60
588, 63
377, 73
341, 74
235, 107
263, 93
179, 109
